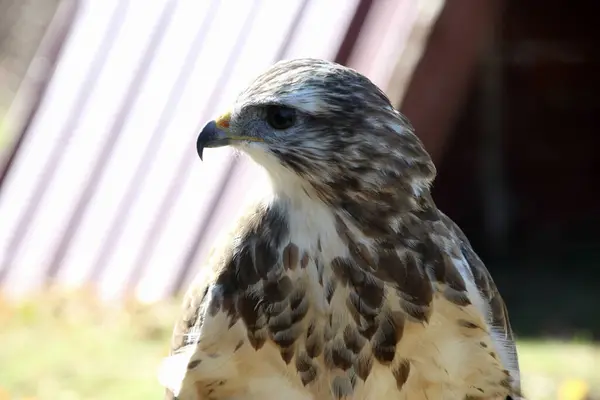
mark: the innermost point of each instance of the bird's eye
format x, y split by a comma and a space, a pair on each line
280, 117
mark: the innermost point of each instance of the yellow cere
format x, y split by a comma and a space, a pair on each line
223, 121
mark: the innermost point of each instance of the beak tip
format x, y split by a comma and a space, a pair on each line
199, 149
205, 136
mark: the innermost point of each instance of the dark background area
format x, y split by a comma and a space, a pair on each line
520, 171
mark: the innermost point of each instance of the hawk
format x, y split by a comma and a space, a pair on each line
344, 280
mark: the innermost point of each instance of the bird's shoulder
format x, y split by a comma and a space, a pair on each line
440, 279
215, 278
497, 316
216, 335
450, 263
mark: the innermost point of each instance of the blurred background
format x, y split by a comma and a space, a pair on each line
106, 211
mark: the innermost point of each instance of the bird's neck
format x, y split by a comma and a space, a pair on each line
310, 211
310, 220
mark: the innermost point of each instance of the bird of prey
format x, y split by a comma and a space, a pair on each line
344, 280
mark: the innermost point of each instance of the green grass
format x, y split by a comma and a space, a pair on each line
67, 347
546, 366
63, 348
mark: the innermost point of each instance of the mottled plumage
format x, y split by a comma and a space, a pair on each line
344, 280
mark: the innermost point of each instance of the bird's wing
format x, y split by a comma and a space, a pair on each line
186, 334
498, 315
448, 301
222, 325
199, 323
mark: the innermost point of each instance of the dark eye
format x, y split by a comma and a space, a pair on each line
280, 117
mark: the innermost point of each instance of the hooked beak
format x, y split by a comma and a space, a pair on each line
216, 133
211, 136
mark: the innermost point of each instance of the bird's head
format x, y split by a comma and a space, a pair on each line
320, 126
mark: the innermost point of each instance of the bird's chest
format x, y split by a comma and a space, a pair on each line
308, 260
321, 329
340, 333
